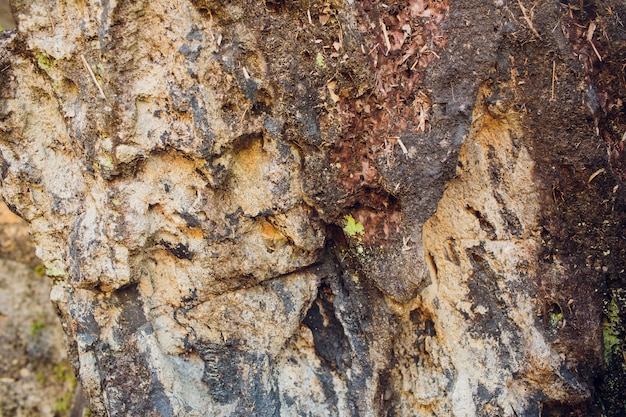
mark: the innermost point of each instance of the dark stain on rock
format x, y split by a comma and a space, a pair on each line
555, 408
87, 329
262, 102
190, 219
224, 367
132, 317
485, 224
200, 119
328, 387
195, 34
486, 399
275, 6
278, 286
11, 207
221, 371
495, 167
128, 383
179, 250
511, 221
331, 343
190, 52
127, 378
484, 291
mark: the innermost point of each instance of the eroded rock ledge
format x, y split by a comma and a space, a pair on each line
326, 208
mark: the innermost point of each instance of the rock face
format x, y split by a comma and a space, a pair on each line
323, 207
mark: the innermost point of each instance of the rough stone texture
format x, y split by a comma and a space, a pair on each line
35, 376
326, 207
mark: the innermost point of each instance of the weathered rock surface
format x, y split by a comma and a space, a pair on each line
324, 207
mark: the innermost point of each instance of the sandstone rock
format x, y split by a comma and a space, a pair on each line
325, 208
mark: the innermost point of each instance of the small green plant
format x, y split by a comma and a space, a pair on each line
351, 227
555, 318
40, 377
65, 402
63, 373
319, 60
40, 270
36, 327
1, 28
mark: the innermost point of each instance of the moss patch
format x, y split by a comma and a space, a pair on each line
611, 328
40, 270
44, 61
36, 327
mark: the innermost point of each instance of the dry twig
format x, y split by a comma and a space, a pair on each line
553, 79
402, 146
595, 174
386, 36
93, 76
592, 28
528, 18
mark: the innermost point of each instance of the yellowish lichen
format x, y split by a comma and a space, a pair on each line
106, 162
53, 271
44, 61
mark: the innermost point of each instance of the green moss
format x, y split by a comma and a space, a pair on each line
44, 61
40, 377
351, 227
64, 403
1, 28
40, 270
36, 327
610, 329
63, 373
